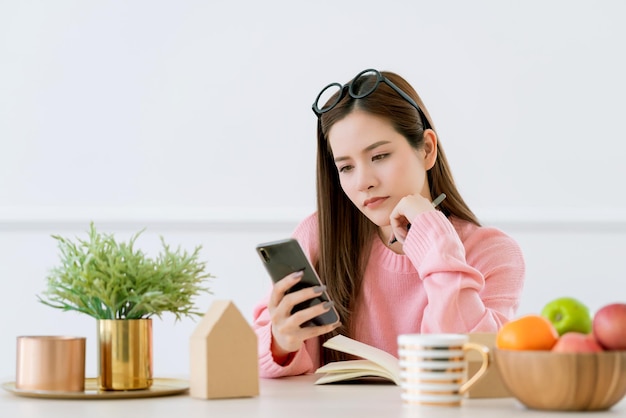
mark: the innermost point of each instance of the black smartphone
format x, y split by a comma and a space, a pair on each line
284, 257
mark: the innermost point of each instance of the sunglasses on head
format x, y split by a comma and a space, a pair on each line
359, 87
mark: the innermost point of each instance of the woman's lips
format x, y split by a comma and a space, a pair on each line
374, 201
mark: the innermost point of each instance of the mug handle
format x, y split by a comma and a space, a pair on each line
484, 353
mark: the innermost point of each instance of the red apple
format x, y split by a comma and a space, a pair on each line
576, 342
609, 326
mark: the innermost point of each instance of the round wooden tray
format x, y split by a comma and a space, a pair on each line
160, 387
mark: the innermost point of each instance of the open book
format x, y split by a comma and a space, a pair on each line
374, 362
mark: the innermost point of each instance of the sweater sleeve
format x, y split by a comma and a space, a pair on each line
472, 285
305, 360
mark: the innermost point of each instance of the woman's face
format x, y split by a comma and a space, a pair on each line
377, 167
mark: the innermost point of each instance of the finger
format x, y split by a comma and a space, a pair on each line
312, 332
311, 312
398, 225
282, 312
282, 286
288, 330
289, 333
302, 295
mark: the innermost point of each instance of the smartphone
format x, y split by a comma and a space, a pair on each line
284, 257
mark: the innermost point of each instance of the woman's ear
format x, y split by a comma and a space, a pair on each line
430, 148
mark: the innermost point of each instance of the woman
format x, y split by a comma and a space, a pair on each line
391, 262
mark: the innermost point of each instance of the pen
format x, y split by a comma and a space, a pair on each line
435, 203
438, 200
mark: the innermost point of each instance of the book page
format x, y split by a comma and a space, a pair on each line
343, 370
359, 349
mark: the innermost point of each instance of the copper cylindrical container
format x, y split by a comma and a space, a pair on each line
50, 363
124, 354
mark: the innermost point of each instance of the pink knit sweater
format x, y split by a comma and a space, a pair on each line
453, 277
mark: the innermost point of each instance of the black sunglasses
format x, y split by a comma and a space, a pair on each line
356, 83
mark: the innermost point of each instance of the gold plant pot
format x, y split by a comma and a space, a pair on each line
124, 354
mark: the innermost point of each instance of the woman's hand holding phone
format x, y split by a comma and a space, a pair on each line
299, 306
288, 334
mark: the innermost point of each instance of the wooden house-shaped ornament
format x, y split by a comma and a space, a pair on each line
223, 355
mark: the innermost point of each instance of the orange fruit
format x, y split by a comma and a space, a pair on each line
529, 332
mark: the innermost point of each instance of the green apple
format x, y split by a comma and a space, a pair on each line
568, 314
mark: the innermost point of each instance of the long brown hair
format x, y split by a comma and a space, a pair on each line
345, 233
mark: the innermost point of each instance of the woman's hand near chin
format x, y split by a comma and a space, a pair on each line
407, 209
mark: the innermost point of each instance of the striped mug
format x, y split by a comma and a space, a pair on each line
433, 368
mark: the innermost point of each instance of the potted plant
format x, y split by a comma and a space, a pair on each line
123, 288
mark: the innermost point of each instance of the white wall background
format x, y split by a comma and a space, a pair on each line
192, 118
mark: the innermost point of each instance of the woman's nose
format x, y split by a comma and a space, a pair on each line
365, 179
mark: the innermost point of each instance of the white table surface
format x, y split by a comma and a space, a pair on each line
287, 397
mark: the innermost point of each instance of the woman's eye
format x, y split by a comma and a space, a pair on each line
345, 168
379, 157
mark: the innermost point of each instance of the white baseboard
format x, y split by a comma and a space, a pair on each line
241, 218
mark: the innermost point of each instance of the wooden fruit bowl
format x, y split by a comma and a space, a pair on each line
564, 381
